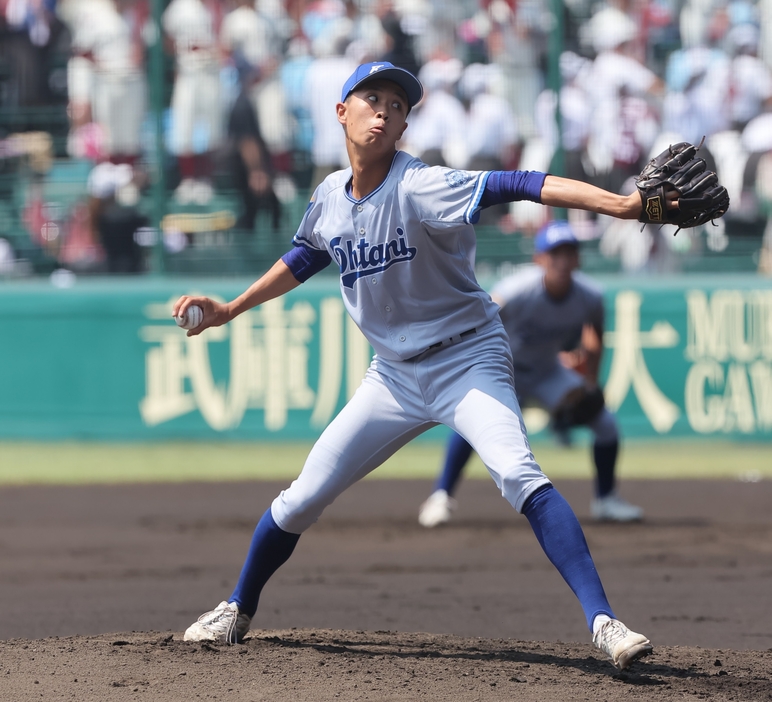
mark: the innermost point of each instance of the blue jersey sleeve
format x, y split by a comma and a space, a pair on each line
310, 254
305, 262
508, 186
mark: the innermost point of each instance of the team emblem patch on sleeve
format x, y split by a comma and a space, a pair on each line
455, 179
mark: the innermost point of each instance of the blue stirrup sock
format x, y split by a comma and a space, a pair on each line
456, 456
270, 548
605, 457
560, 536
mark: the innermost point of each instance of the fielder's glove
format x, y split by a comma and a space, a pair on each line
701, 198
578, 407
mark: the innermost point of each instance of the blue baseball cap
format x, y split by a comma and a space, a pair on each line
554, 234
384, 70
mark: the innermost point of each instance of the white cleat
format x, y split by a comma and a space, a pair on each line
436, 510
612, 508
620, 644
224, 624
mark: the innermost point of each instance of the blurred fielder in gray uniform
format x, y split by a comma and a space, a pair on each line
546, 309
401, 234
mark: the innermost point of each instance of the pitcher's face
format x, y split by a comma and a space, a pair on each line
374, 115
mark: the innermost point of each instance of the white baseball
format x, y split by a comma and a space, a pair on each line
192, 317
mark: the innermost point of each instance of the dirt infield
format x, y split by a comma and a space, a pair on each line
98, 583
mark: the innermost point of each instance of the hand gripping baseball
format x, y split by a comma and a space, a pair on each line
678, 172
213, 313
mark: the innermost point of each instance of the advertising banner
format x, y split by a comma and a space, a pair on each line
104, 360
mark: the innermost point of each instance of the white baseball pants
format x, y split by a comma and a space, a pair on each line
467, 386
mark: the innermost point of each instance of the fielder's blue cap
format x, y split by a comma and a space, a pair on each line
383, 70
554, 234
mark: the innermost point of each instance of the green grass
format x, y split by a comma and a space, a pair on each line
24, 463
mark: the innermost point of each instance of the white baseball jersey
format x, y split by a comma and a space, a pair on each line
750, 87
111, 79
540, 327
492, 126
191, 25
246, 31
612, 76
405, 254
439, 123
198, 114
323, 79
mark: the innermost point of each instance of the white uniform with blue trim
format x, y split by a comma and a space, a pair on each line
405, 253
406, 259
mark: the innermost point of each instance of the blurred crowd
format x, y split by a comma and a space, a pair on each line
252, 88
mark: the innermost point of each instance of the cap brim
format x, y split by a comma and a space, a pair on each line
404, 79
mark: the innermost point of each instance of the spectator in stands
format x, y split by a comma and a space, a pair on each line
293, 77
438, 130
624, 125
321, 18
492, 132
329, 70
492, 137
113, 191
273, 110
694, 103
192, 27
575, 114
251, 161
246, 33
120, 90
515, 40
250, 34
106, 78
750, 79
85, 139
277, 12
575, 124
400, 48
368, 38
25, 33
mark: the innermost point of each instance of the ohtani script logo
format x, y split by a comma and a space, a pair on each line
362, 258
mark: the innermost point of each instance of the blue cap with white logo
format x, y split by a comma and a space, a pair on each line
554, 234
384, 70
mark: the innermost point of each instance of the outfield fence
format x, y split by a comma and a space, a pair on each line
104, 360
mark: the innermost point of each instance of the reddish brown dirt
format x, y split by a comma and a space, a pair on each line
98, 583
